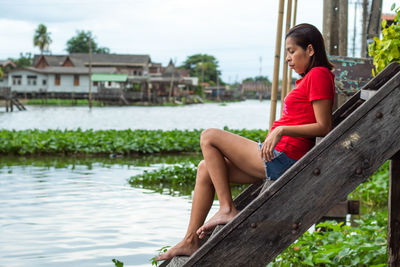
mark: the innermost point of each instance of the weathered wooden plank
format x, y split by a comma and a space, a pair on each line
394, 212
354, 102
325, 175
351, 74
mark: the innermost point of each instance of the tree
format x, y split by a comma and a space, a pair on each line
1, 73
203, 66
24, 60
386, 50
80, 44
263, 79
41, 38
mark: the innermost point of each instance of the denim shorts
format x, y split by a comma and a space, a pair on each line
278, 165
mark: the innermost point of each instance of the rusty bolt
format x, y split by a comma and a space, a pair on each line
253, 225
317, 172
296, 226
379, 115
358, 171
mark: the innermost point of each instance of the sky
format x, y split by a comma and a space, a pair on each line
240, 34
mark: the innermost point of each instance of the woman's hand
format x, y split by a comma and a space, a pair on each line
267, 149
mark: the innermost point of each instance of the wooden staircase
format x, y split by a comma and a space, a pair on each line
10, 99
274, 215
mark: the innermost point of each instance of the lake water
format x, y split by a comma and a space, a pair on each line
250, 114
82, 212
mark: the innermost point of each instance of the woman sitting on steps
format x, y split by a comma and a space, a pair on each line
229, 158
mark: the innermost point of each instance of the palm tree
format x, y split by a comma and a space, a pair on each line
42, 38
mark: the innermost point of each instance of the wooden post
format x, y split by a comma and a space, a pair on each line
285, 63
90, 72
374, 24
343, 22
331, 26
394, 212
275, 80
364, 29
289, 83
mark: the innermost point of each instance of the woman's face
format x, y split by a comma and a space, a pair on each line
298, 58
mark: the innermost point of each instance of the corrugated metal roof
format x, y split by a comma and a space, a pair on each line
100, 77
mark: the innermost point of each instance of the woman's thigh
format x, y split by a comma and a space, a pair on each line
241, 152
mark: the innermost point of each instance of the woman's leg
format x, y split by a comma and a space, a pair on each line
203, 197
218, 145
204, 188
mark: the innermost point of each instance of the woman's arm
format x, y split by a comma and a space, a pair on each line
323, 115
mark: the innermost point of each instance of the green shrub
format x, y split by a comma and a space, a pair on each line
386, 50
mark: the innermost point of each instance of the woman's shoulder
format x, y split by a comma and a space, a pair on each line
318, 71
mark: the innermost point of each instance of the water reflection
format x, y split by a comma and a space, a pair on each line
73, 162
82, 212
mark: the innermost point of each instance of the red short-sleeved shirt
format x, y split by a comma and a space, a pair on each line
318, 83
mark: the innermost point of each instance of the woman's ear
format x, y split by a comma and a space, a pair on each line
310, 50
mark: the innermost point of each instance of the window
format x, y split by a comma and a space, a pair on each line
44, 82
139, 73
134, 72
95, 83
57, 80
16, 79
109, 84
76, 80
32, 79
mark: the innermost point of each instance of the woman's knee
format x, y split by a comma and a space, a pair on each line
202, 173
207, 136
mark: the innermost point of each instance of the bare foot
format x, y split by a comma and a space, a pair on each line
183, 248
221, 217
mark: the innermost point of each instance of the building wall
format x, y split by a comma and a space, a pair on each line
67, 84
4, 81
24, 86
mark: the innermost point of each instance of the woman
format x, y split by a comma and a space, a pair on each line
229, 158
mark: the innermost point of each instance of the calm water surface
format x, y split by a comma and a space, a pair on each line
250, 114
82, 214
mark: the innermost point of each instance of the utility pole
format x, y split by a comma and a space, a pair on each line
90, 72
202, 77
355, 29
335, 26
364, 29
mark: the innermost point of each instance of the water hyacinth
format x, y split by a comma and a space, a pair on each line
120, 142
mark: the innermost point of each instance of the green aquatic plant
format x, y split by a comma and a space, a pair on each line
118, 263
115, 142
160, 251
340, 245
177, 180
63, 102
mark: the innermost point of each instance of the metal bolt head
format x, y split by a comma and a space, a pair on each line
253, 225
358, 171
317, 172
379, 115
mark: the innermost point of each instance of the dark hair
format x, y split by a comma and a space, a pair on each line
305, 34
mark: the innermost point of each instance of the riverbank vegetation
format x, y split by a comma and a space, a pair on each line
363, 243
106, 142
